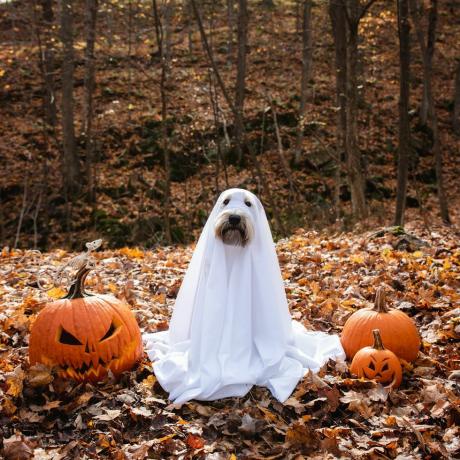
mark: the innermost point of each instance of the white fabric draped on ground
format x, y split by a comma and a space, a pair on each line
231, 328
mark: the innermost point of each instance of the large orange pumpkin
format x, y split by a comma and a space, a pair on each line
398, 331
85, 335
377, 363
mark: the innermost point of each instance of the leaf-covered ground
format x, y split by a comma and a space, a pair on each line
328, 416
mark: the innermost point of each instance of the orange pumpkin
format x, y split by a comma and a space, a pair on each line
398, 331
377, 363
85, 335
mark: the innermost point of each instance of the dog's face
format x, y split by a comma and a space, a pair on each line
234, 223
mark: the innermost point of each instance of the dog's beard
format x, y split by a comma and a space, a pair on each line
233, 235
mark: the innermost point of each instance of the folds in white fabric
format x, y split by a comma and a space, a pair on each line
231, 326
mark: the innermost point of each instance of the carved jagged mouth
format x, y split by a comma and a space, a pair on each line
378, 375
86, 367
88, 371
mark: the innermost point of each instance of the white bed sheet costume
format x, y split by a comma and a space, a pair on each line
231, 327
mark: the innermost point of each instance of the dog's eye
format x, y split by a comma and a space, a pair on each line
226, 201
248, 203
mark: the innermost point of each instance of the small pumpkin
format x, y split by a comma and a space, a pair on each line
377, 363
85, 335
398, 331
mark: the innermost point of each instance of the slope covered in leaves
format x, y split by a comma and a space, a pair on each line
129, 172
330, 415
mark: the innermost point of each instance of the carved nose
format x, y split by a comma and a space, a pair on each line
234, 219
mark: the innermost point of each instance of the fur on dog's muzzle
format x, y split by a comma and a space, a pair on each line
234, 227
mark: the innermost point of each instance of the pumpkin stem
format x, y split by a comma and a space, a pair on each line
378, 345
77, 289
380, 300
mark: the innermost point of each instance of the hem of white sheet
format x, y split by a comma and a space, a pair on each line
309, 351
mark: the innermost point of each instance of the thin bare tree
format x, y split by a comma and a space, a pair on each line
456, 112
44, 25
428, 58
337, 13
284, 163
404, 93
432, 115
168, 14
305, 77
159, 31
188, 16
45, 40
71, 166
240, 86
216, 110
90, 83
354, 12
230, 30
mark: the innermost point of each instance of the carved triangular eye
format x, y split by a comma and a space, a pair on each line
67, 338
372, 366
110, 332
385, 367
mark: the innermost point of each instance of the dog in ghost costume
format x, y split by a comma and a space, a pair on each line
231, 328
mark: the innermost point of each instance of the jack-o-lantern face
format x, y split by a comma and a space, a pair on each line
377, 363
85, 336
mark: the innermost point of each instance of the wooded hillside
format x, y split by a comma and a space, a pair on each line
125, 119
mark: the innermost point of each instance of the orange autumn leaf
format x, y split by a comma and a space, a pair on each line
56, 293
195, 442
134, 253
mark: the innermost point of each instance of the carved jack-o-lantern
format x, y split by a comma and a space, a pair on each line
85, 335
377, 363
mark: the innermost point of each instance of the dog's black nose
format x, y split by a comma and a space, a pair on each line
234, 219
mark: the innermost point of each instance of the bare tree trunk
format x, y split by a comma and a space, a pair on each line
431, 40
130, 58
230, 30
283, 160
354, 12
241, 74
36, 213
71, 167
215, 110
305, 78
47, 63
432, 115
355, 171
45, 230
338, 17
404, 93
456, 114
109, 25
164, 129
168, 13
22, 213
443, 205
91, 17
188, 24
212, 14
298, 14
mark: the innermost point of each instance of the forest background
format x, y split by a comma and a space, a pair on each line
126, 119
